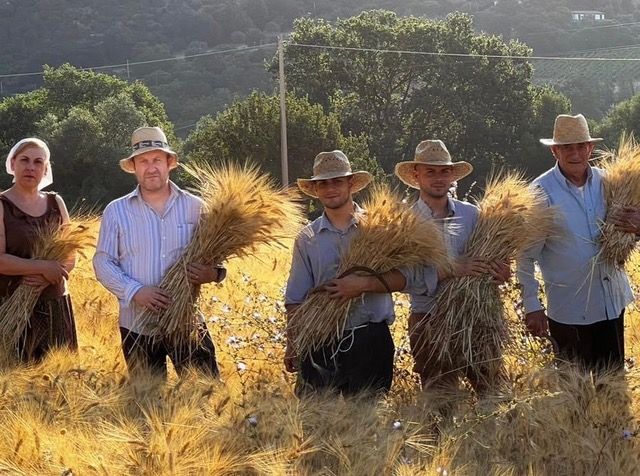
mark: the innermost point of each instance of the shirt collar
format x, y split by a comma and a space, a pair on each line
325, 224
564, 180
426, 210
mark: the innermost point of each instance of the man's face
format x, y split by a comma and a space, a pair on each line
434, 180
573, 159
152, 170
334, 193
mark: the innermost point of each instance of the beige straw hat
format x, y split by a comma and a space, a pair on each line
431, 152
570, 130
146, 139
328, 165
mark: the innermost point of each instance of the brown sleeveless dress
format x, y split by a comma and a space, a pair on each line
52, 323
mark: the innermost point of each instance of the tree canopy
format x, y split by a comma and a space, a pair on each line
483, 108
249, 131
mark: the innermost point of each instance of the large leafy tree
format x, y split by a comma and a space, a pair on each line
249, 131
87, 120
481, 107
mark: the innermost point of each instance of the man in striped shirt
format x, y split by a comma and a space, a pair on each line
141, 236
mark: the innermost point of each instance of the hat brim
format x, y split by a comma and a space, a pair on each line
126, 164
405, 171
361, 179
550, 142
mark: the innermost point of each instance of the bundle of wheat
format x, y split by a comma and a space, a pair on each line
389, 235
52, 242
468, 330
621, 189
242, 209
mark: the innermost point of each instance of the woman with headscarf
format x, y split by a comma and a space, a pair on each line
25, 210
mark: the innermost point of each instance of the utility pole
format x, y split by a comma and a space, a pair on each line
283, 114
128, 75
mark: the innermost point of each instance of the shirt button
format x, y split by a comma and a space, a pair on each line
163, 256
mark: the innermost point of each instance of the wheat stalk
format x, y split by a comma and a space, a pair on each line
621, 183
469, 329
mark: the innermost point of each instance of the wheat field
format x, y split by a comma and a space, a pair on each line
80, 414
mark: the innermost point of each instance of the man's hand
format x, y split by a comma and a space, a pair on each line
35, 281
470, 266
290, 359
153, 298
626, 219
52, 271
537, 323
199, 273
349, 287
500, 271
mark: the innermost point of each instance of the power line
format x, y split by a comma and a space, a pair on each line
161, 60
463, 55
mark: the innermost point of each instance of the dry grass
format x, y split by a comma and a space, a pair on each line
621, 189
80, 414
469, 330
51, 243
242, 209
389, 235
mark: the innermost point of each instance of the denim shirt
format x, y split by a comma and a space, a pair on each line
316, 257
579, 288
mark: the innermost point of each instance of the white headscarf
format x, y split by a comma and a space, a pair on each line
48, 176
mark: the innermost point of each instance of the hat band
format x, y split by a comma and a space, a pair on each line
150, 143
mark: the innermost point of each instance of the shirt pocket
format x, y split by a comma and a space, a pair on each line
179, 239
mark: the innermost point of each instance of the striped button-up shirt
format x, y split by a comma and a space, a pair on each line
580, 289
422, 281
316, 257
137, 245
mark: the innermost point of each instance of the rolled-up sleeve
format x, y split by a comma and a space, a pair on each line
106, 263
300, 280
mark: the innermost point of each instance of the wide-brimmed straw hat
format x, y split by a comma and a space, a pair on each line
431, 152
146, 139
334, 164
570, 130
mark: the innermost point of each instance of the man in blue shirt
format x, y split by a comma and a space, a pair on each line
363, 358
586, 298
433, 173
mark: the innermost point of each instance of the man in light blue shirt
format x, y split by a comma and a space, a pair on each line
141, 236
433, 173
363, 359
586, 298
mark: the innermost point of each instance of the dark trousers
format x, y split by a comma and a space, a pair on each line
362, 362
595, 346
141, 353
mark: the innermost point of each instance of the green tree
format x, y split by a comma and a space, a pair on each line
87, 119
623, 118
249, 131
481, 107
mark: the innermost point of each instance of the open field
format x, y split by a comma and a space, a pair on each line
80, 414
